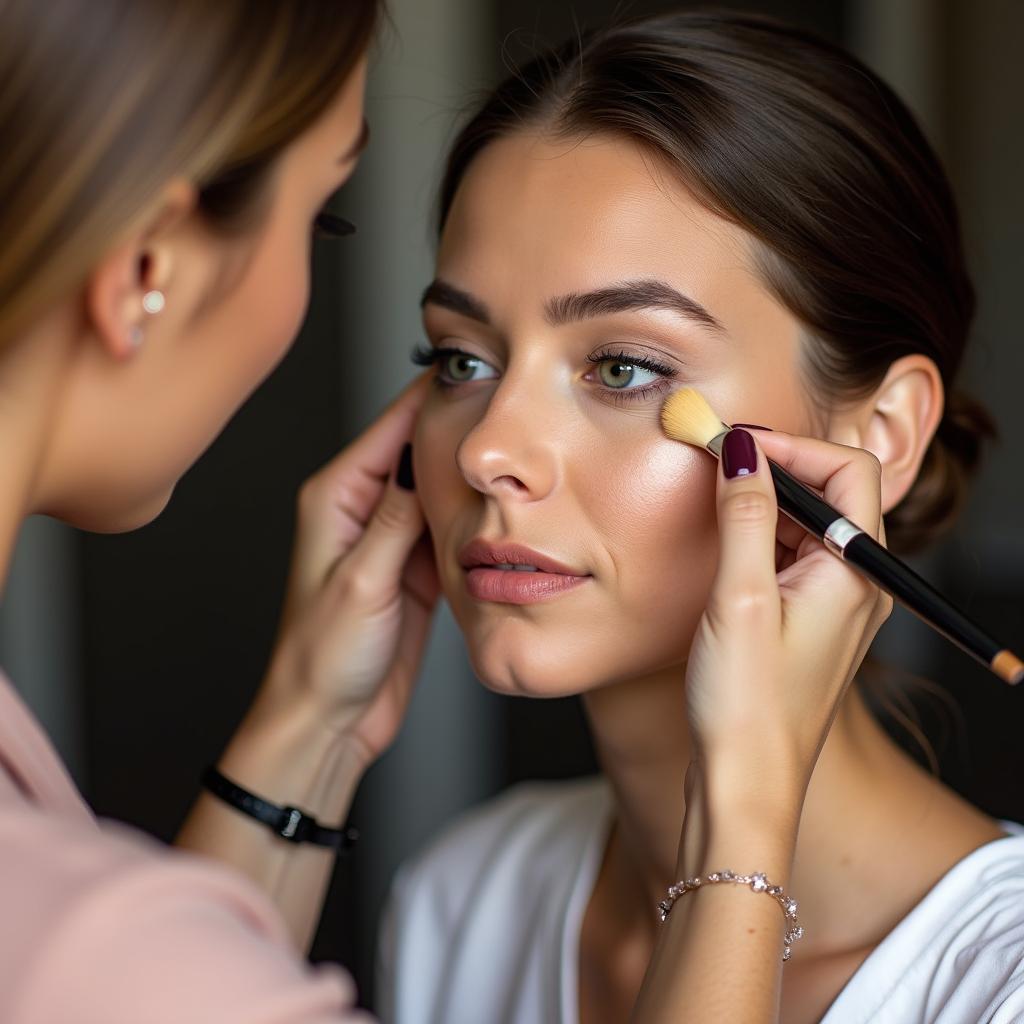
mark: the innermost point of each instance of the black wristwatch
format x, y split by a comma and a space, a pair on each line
289, 823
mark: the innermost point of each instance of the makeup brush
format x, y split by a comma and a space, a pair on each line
686, 416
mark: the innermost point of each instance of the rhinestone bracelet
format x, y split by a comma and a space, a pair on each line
757, 883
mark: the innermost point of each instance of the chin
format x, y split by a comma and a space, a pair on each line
114, 518
522, 658
542, 667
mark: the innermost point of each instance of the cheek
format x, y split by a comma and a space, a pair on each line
641, 510
653, 512
268, 309
225, 359
241, 342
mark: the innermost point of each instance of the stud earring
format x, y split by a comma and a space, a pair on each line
153, 301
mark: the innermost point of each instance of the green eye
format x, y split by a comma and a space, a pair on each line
616, 374
460, 367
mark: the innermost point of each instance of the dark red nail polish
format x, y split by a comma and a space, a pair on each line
753, 426
739, 456
403, 475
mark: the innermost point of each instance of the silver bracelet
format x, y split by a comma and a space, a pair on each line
757, 883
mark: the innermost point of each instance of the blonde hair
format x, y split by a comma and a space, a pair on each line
103, 102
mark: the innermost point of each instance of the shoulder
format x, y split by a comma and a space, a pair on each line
530, 832
959, 955
982, 897
983, 945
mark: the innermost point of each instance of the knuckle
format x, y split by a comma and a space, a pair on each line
749, 602
872, 465
392, 515
753, 508
865, 600
356, 585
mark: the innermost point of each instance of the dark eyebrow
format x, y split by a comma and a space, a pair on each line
624, 297
358, 146
447, 296
618, 298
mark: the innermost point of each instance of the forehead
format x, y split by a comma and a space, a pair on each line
536, 216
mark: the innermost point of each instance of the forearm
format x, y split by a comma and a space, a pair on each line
719, 953
288, 755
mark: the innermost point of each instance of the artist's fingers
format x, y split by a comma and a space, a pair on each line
373, 452
747, 513
337, 501
373, 569
849, 479
790, 534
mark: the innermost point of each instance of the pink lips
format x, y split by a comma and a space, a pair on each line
489, 578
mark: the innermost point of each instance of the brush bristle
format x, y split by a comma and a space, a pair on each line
686, 416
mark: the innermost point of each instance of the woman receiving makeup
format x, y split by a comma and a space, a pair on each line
719, 202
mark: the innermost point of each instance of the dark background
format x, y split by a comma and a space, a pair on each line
171, 626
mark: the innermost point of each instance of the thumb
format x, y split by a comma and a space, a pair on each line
395, 526
747, 517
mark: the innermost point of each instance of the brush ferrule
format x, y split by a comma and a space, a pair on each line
839, 534
715, 444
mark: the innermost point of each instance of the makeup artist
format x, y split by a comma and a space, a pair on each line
165, 162
164, 165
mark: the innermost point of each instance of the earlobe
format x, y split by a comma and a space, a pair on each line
129, 286
110, 301
900, 420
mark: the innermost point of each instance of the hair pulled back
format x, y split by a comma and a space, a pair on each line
810, 152
103, 103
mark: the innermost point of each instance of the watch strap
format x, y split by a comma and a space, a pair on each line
290, 823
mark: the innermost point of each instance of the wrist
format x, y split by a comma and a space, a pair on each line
738, 816
286, 752
763, 781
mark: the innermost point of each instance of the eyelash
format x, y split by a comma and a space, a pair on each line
427, 355
330, 225
622, 395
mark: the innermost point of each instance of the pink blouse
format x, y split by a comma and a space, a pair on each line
102, 925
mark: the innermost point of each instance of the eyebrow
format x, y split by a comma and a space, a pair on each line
626, 296
447, 296
358, 146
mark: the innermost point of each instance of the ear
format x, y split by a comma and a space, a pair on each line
896, 423
144, 261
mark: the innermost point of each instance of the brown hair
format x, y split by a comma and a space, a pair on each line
102, 104
803, 146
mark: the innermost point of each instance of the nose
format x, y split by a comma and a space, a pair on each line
511, 452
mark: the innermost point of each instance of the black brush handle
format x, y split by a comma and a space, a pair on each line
880, 566
917, 594
801, 504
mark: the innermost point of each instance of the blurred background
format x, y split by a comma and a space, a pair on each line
140, 653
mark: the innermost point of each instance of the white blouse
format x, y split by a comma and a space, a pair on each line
483, 926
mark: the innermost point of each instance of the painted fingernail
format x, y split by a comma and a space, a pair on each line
403, 475
753, 426
739, 456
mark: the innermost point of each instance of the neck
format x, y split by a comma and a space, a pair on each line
643, 745
860, 790
31, 372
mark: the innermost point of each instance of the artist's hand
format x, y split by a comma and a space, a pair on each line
787, 624
362, 588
